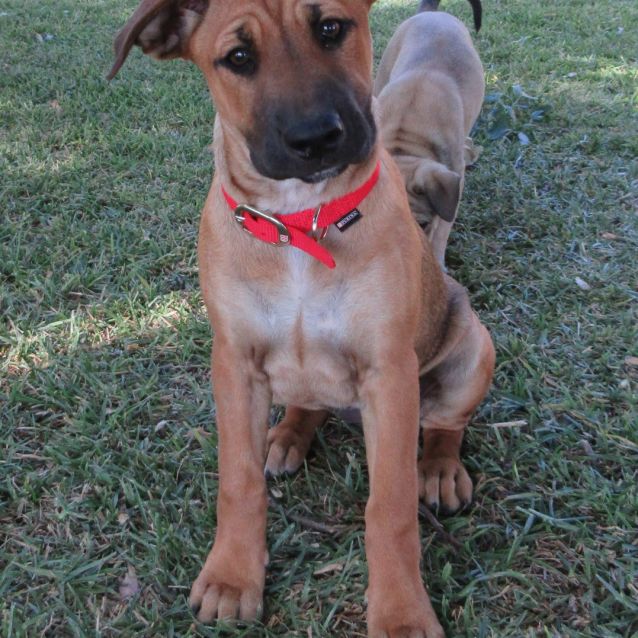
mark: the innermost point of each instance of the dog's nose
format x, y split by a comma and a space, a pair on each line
311, 138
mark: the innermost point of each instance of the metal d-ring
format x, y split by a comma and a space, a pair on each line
315, 221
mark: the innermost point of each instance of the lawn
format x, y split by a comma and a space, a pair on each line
107, 427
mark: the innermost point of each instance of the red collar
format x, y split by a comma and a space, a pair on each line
292, 229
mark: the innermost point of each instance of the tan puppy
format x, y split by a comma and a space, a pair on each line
430, 88
291, 80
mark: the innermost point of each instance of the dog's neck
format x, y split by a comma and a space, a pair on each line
238, 175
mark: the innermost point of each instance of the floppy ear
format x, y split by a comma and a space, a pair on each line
161, 27
441, 186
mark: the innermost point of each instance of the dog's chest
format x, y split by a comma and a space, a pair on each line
305, 327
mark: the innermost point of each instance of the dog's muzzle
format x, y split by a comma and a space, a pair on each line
316, 138
313, 143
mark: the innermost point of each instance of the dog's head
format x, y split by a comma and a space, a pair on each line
433, 189
292, 76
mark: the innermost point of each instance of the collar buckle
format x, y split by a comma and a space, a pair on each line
283, 233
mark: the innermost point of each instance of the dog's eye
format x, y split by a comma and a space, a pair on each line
240, 60
331, 32
239, 57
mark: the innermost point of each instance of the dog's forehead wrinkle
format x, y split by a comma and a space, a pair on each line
411, 141
315, 12
248, 24
243, 35
278, 16
328, 8
273, 12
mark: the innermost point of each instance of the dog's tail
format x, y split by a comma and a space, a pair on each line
477, 10
428, 5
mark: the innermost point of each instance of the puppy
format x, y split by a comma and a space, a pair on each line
430, 89
322, 291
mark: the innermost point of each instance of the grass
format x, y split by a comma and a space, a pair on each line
106, 420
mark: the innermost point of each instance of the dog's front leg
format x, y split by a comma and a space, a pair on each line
231, 582
398, 605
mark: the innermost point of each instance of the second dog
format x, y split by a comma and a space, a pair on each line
430, 89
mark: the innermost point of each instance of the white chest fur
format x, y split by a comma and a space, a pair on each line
305, 328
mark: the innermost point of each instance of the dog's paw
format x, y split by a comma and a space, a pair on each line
444, 484
287, 449
214, 595
406, 631
471, 152
426, 627
401, 612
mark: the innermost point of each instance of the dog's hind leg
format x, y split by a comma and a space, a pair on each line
452, 390
289, 441
471, 152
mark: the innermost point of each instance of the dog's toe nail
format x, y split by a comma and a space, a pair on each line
268, 474
434, 506
195, 607
446, 511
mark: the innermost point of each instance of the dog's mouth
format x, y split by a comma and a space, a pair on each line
276, 161
323, 175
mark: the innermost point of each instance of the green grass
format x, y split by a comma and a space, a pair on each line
107, 434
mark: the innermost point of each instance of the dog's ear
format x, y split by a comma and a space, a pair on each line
441, 186
162, 28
